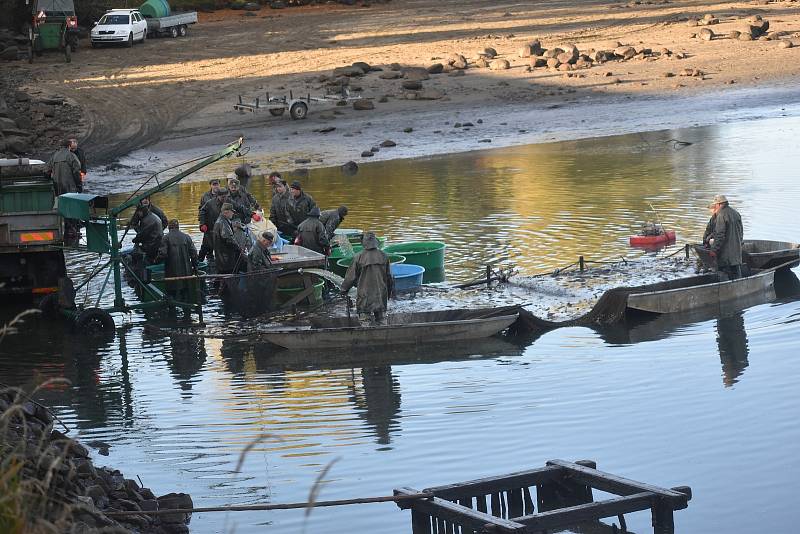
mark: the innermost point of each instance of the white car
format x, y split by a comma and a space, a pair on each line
120, 26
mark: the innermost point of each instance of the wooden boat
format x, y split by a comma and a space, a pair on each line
400, 329
758, 254
700, 292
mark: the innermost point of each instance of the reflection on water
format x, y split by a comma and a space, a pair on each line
644, 401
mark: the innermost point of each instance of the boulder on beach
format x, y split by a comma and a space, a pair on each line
412, 85
706, 34
350, 168
416, 74
552, 52
457, 61
625, 52
500, 64
538, 61
436, 68
348, 71
363, 105
388, 143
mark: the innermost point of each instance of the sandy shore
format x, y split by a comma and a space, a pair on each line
175, 97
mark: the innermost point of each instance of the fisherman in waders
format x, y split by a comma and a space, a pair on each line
180, 259
64, 168
259, 257
371, 273
723, 236
300, 204
149, 233
331, 219
150, 208
244, 204
211, 193
227, 251
81, 155
207, 216
311, 234
279, 210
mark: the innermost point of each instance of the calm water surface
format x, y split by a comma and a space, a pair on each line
708, 402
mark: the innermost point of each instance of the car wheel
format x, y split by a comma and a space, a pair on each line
144, 36
130, 40
173, 32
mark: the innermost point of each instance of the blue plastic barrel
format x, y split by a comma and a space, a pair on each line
407, 276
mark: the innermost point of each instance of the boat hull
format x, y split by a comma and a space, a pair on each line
759, 254
385, 335
701, 296
652, 240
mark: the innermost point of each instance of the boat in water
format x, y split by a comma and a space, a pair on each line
696, 292
758, 254
400, 329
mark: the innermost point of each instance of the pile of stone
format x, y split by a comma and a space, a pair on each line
749, 29
410, 78
32, 124
568, 57
57, 486
13, 45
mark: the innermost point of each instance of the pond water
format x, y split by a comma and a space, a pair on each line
702, 401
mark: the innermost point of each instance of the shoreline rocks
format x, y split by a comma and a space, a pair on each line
59, 486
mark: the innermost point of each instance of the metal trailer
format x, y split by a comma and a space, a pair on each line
102, 237
298, 107
176, 25
31, 230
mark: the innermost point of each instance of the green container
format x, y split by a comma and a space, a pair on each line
156, 273
154, 9
337, 253
49, 35
289, 286
428, 254
341, 266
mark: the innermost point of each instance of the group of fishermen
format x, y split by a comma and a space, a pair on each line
224, 214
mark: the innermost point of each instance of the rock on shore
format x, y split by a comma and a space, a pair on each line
49, 480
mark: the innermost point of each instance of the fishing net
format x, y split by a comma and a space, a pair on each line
249, 294
610, 309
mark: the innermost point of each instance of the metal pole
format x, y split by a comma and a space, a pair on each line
119, 302
488, 276
581, 263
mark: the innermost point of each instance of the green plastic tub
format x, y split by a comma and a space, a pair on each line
428, 254
289, 286
154, 9
342, 265
156, 273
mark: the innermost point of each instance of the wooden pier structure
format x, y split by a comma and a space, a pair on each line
542, 500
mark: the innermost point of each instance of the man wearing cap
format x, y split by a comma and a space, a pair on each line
227, 250
279, 209
180, 259
275, 178
370, 271
149, 232
149, 207
207, 216
300, 204
723, 236
311, 234
244, 204
211, 193
331, 219
259, 257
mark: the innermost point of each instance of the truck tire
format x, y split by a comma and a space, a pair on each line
130, 40
299, 110
95, 322
182, 30
173, 32
68, 52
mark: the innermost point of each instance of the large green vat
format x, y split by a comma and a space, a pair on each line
154, 9
341, 266
156, 274
428, 254
289, 286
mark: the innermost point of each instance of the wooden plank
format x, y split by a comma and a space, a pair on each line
496, 506
528, 500
488, 485
515, 505
420, 523
564, 517
460, 515
297, 298
619, 485
481, 503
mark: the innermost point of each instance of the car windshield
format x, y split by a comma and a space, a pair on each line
108, 20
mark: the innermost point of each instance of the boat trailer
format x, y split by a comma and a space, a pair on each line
298, 107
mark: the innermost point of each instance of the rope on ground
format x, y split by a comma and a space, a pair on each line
286, 506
